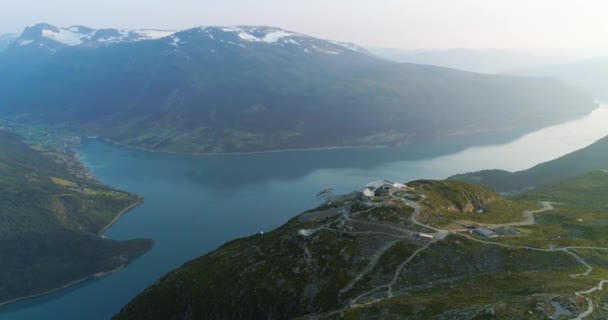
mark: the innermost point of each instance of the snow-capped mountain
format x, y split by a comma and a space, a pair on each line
46, 36
225, 89
248, 37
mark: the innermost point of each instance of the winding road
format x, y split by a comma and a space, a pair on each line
440, 234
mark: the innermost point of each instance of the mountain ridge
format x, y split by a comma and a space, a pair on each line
248, 89
590, 74
591, 158
493, 61
50, 37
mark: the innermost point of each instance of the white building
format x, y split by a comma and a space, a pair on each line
369, 194
380, 185
400, 186
426, 236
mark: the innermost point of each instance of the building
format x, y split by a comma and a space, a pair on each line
401, 186
426, 236
304, 233
381, 186
368, 194
485, 232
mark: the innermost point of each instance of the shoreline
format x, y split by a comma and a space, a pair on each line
329, 148
237, 152
124, 211
94, 276
598, 105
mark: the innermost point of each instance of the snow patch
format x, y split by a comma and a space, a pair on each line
321, 50
270, 37
349, 46
276, 36
153, 34
64, 36
234, 43
231, 29
73, 37
124, 35
248, 37
175, 42
23, 43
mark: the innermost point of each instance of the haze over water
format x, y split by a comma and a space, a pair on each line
196, 203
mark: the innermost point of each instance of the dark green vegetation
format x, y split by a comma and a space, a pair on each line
51, 211
363, 259
591, 74
594, 157
210, 90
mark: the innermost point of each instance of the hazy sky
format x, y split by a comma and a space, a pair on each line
515, 24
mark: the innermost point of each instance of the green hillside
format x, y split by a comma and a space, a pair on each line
593, 157
50, 218
360, 259
213, 91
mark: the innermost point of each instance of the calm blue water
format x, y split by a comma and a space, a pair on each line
196, 203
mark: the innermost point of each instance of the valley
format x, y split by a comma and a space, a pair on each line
246, 152
201, 188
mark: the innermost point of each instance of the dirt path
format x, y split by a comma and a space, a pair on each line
370, 266
440, 234
590, 307
388, 286
529, 218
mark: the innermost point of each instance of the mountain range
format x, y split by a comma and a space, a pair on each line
47, 37
589, 74
474, 60
241, 89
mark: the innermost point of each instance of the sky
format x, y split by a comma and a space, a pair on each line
533, 25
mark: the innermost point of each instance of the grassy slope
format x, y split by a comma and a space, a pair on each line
580, 221
49, 220
449, 201
594, 157
451, 279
